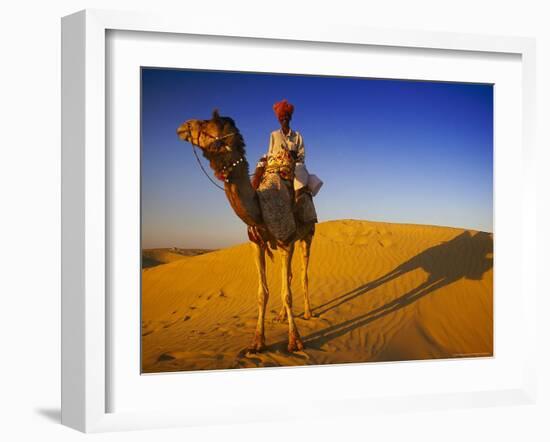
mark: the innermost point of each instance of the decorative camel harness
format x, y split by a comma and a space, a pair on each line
223, 175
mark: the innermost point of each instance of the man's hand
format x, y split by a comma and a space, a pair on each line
259, 172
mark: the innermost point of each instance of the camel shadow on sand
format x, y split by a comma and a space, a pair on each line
465, 256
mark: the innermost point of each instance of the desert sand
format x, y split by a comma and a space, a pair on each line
380, 292
155, 257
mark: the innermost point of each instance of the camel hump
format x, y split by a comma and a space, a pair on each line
276, 203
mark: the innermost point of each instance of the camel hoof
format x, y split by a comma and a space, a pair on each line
295, 344
309, 315
257, 346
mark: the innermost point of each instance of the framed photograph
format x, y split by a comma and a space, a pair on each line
241, 216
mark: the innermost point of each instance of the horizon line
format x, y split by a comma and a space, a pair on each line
328, 221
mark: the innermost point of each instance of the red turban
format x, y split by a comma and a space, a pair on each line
283, 108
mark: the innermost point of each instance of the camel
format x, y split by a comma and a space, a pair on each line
222, 144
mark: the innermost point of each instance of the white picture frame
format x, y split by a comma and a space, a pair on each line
85, 208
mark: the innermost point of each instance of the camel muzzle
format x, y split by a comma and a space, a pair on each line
183, 132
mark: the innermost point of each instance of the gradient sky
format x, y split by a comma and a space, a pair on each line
387, 150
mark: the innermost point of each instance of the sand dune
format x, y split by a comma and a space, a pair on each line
155, 257
381, 292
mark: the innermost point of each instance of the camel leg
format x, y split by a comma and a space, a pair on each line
258, 342
282, 314
294, 341
305, 245
281, 317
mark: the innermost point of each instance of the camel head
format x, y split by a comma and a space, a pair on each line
215, 136
218, 138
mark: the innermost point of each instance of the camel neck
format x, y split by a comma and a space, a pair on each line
242, 198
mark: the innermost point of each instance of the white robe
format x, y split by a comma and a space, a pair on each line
295, 143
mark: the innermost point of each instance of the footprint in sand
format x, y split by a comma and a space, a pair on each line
244, 357
165, 357
384, 238
204, 298
301, 355
385, 242
170, 324
254, 360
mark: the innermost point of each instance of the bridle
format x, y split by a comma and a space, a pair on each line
201, 132
226, 170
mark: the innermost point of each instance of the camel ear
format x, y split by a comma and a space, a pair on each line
215, 114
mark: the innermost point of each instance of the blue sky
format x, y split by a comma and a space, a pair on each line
387, 150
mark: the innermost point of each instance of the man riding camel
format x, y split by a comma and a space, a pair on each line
286, 157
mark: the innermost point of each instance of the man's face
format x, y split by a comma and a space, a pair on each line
284, 120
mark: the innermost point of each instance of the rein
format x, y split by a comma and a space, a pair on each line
203, 170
